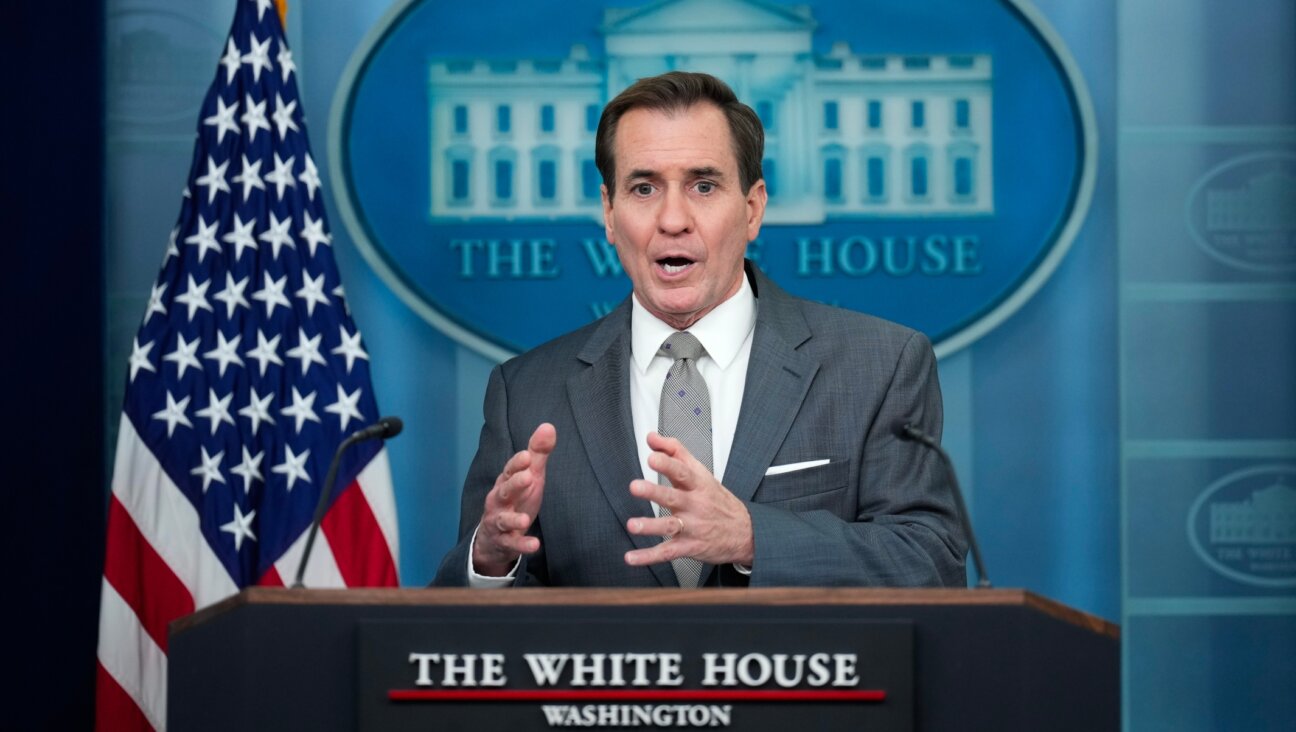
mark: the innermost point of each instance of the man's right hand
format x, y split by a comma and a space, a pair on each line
511, 507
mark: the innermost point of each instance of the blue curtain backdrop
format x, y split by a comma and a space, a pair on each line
1091, 427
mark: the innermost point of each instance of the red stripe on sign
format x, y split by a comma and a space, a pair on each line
115, 710
362, 556
142, 577
271, 578
543, 695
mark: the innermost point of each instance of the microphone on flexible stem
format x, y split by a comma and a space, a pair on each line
383, 429
906, 431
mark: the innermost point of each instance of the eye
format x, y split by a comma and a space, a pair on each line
705, 187
642, 189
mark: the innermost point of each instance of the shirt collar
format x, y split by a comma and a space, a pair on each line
721, 331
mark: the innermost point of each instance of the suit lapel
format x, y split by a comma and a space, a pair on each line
600, 402
778, 378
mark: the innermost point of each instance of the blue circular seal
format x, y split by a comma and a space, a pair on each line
929, 163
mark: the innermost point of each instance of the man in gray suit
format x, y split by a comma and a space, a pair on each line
781, 466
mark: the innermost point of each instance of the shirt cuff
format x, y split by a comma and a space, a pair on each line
481, 581
742, 569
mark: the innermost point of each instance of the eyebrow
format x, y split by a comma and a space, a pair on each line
705, 171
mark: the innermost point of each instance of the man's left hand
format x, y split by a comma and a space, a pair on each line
707, 522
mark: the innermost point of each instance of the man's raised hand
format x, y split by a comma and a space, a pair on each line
512, 505
707, 522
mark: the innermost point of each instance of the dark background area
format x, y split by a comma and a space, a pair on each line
51, 221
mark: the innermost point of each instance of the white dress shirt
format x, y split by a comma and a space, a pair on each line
726, 334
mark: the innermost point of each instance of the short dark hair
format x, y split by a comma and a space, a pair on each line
676, 91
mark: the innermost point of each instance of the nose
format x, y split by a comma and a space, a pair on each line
674, 217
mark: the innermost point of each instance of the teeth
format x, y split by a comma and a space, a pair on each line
673, 268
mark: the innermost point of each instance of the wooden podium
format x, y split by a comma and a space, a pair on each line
280, 659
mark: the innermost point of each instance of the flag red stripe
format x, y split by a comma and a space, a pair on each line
142, 577
362, 555
271, 578
115, 710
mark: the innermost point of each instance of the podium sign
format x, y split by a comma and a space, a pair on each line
619, 672
741, 659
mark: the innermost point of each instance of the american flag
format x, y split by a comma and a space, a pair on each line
246, 374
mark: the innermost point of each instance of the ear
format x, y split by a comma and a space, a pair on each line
757, 198
607, 214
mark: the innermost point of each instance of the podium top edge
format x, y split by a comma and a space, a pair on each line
613, 597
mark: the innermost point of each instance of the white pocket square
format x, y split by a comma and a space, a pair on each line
793, 467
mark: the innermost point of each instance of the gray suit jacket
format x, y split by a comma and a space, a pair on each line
822, 383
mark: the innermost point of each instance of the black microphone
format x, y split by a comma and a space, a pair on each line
385, 428
906, 431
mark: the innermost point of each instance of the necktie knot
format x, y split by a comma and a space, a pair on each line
682, 345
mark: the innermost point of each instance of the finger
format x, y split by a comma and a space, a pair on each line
542, 443
669, 445
520, 461
510, 487
677, 471
510, 521
511, 545
663, 552
664, 526
662, 495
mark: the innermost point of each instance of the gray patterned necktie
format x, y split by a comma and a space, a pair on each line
685, 414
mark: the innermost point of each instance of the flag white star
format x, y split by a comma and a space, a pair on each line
231, 60
249, 177
350, 347
254, 118
293, 466
257, 410
272, 294
195, 297
258, 56
232, 295
249, 470
278, 236
240, 236
172, 249
214, 180
285, 59
174, 413
217, 410
310, 177
301, 409
225, 352
209, 469
283, 116
312, 292
183, 355
205, 237
240, 527
262, 6
155, 301
313, 232
282, 175
266, 352
307, 350
223, 120
346, 406
139, 358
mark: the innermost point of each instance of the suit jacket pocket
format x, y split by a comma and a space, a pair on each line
820, 487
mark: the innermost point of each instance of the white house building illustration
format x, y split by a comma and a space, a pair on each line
1267, 517
848, 135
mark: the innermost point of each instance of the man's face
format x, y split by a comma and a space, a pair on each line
678, 215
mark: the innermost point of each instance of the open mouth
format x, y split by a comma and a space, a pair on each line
674, 265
